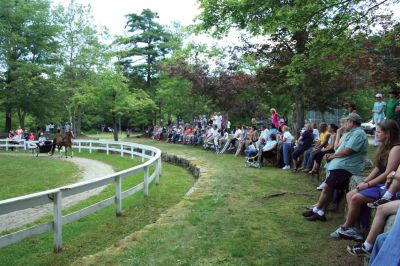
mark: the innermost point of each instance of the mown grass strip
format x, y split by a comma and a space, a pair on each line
101, 229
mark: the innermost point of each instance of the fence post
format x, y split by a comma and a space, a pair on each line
158, 171
146, 181
118, 195
90, 147
122, 150
143, 153
6, 145
107, 149
132, 152
25, 145
79, 146
57, 217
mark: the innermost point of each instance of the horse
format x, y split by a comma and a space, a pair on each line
65, 142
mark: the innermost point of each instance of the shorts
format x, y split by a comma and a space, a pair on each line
375, 192
338, 179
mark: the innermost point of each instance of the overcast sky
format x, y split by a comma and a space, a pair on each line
111, 13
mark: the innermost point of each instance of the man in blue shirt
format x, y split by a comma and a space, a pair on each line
348, 160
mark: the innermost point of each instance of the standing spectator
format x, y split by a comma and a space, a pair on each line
286, 146
274, 117
218, 120
391, 105
283, 121
67, 127
378, 114
52, 128
47, 128
350, 107
228, 127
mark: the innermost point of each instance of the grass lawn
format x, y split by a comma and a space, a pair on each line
21, 174
243, 216
102, 229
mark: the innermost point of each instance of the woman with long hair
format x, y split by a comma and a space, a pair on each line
387, 160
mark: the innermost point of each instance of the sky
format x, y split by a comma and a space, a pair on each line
111, 13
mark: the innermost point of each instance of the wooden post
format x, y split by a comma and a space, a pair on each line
132, 152
6, 145
143, 153
118, 195
90, 147
146, 181
107, 149
122, 150
79, 146
158, 171
57, 217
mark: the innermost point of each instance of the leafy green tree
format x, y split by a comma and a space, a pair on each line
113, 100
146, 44
304, 37
83, 56
28, 48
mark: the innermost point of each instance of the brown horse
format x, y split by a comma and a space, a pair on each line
65, 142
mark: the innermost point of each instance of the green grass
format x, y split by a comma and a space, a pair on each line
242, 219
23, 174
102, 229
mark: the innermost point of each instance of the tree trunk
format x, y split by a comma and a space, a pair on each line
298, 114
21, 118
8, 119
115, 128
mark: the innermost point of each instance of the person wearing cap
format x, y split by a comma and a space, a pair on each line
391, 105
378, 112
348, 160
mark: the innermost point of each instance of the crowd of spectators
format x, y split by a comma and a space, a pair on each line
341, 150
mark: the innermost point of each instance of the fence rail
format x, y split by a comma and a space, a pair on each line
150, 157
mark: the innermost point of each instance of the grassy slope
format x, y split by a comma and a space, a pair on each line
25, 174
97, 231
240, 220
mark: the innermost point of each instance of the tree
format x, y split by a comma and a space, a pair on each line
27, 50
146, 45
83, 56
113, 99
304, 36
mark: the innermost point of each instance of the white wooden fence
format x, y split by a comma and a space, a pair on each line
55, 196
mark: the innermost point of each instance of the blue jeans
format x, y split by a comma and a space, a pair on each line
308, 159
286, 146
387, 247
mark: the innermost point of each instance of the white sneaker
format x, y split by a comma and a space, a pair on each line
286, 167
321, 187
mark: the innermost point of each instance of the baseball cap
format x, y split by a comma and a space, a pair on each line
354, 117
378, 95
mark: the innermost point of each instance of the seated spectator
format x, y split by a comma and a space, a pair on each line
346, 161
269, 149
286, 146
272, 130
235, 138
41, 139
387, 246
315, 132
322, 142
251, 137
329, 148
304, 143
387, 159
382, 213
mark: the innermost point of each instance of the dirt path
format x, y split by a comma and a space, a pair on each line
89, 169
